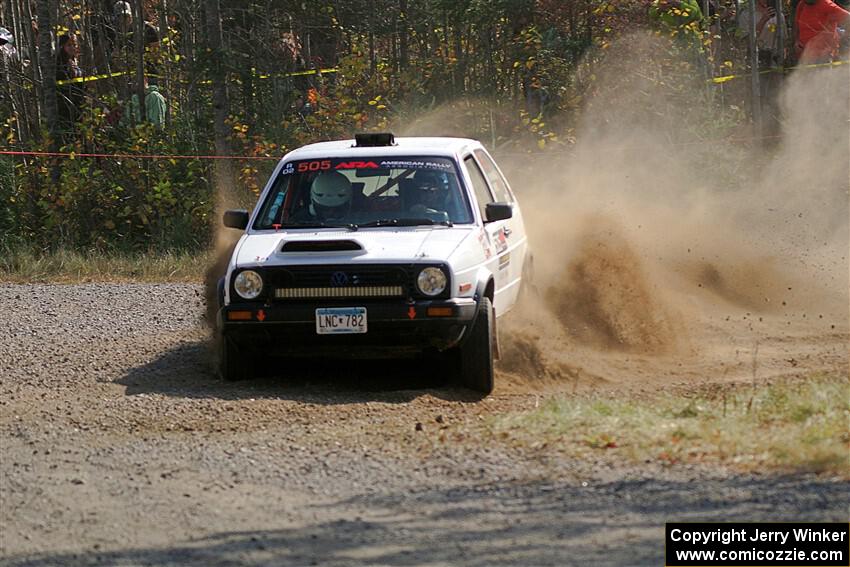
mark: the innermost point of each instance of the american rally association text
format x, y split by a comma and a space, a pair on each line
756, 534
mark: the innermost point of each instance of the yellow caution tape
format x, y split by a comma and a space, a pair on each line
299, 73
206, 82
92, 78
830, 64
726, 78
719, 80
715, 80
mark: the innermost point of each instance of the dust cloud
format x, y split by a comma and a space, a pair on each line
603, 296
649, 232
227, 197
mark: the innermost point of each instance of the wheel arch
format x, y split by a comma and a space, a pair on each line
486, 287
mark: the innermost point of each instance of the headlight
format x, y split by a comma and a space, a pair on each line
248, 284
432, 281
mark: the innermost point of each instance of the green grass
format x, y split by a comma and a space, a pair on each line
23, 265
788, 425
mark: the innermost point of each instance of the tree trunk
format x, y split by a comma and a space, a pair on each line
459, 73
781, 33
221, 104
224, 172
163, 33
139, 47
754, 73
17, 22
402, 35
247, 73
47, 64
372, 60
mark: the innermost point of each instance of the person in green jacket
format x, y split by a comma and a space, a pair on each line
675, 13
681, 18
155, 108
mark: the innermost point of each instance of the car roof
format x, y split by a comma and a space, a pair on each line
409, 146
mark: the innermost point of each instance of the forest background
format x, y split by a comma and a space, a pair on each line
254, 79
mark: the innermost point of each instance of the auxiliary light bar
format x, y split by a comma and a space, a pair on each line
331, 292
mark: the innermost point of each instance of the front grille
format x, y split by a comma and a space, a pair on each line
349, 281
338, 292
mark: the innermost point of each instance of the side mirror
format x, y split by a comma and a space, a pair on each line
498, 211
236, 218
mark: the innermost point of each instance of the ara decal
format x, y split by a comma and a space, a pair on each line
356, 165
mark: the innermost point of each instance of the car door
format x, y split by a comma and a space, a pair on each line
513, 229
499, 262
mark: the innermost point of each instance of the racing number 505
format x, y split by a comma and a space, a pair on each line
314, 165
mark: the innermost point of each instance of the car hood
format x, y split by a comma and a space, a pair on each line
362, 246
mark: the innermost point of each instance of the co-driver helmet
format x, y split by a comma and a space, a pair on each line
432, 188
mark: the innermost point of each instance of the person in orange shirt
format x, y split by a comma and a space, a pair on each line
816, 37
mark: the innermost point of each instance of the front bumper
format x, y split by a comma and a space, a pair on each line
395, 327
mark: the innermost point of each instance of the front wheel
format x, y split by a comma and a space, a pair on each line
233, 363
474, 358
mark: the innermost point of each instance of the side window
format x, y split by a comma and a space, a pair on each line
497, 182
271, 211
479, 184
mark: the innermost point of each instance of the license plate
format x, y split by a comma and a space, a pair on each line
340, 320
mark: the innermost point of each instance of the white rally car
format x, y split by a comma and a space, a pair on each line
376, 247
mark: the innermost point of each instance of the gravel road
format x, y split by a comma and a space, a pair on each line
119, 447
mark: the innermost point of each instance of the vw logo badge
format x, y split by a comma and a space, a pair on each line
339, 279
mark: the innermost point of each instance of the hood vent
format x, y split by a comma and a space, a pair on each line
320, 246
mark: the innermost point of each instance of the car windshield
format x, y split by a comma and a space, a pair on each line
365, 192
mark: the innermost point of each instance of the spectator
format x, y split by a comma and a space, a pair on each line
70, 94
124, 40
155, 108
290, 50
124, 23
675, 14
816, 30
682, 19
8, 53
768, 24
123, 14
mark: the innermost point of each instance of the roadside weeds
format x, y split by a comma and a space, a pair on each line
24, 265
787, 425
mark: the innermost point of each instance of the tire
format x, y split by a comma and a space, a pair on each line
477, 352
233, 363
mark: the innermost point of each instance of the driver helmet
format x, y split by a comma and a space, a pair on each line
330, 195
6, 36
432, 188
